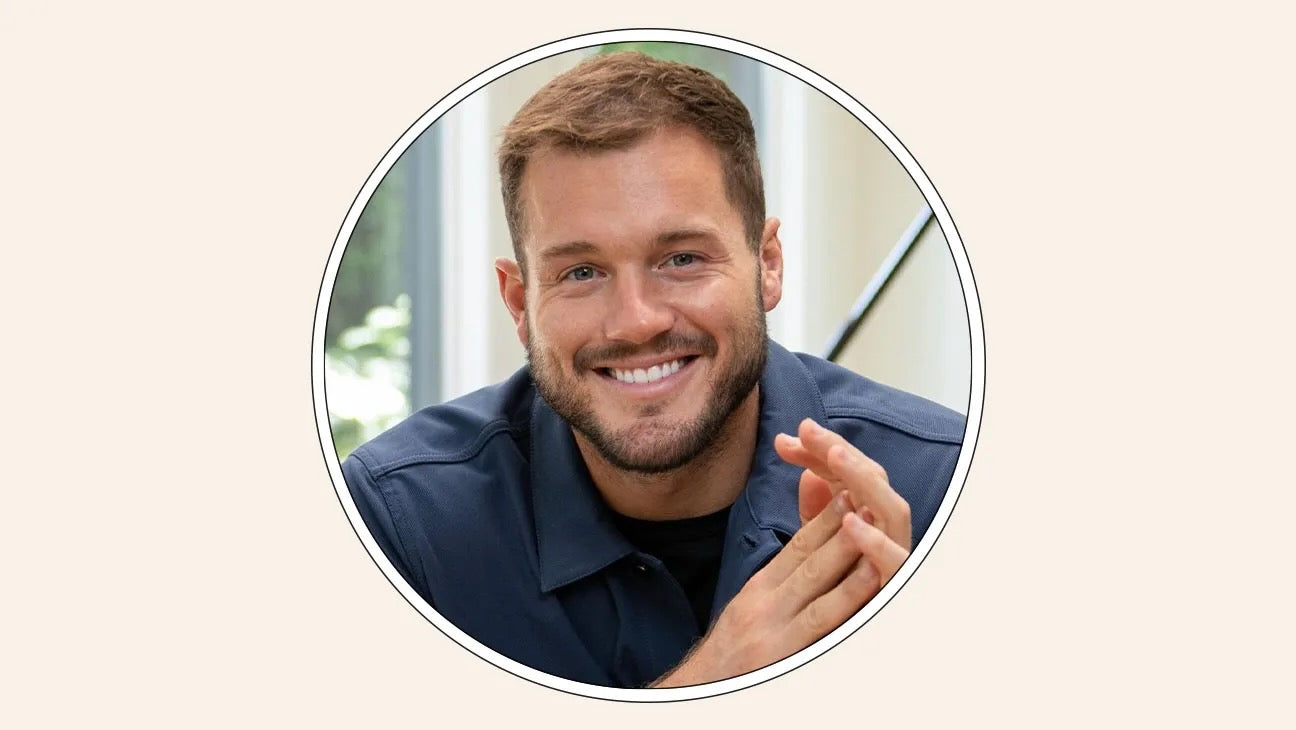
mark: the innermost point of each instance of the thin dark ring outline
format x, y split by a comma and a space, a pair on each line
320, 296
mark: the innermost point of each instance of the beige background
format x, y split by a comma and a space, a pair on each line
173, 552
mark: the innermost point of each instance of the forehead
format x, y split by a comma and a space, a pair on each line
671, 178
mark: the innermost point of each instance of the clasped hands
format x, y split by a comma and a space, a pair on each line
855, 534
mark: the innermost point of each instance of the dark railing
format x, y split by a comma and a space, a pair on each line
878, 284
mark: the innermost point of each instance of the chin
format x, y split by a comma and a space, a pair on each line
648, 460
651, 446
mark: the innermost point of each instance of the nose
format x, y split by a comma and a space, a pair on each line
636, 313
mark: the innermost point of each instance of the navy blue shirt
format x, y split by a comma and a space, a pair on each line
485, 507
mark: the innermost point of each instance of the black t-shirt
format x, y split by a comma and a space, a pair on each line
689, 548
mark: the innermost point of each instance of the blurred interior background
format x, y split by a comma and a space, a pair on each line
415, 317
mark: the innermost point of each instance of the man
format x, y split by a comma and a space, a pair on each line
663, 497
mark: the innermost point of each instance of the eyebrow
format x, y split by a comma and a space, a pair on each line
666, 238
682, 234
571, 248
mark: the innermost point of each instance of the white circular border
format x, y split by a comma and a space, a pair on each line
975, 398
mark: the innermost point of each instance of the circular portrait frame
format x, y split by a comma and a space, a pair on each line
942, 218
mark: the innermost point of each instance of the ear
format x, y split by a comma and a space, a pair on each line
513, 292
771, 264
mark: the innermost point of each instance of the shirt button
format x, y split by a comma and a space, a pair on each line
640, 568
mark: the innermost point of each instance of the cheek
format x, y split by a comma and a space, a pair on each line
716, 305
562, 330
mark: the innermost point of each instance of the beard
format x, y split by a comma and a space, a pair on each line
651, 446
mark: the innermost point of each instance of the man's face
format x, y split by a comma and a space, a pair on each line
643, 309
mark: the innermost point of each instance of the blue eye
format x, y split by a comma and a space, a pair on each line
682, 259
581, 273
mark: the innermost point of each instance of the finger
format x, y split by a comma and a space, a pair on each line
814, 490
833, 607
873, 544
812, 448
866, 514
842, 464
791, 450
818, 573
808, 539
868, 487
813, 495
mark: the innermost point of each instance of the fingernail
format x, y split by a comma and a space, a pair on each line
842, 503
853, 526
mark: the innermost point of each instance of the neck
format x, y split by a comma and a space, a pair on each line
707, 484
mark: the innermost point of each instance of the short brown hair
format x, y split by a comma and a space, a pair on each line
611, 102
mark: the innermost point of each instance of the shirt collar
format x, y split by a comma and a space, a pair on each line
788, 395
575, 535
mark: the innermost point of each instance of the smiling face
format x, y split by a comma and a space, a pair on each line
643, 307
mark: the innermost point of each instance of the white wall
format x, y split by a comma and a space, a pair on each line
851, 200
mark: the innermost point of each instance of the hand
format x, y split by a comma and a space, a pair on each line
836, 562
833, 464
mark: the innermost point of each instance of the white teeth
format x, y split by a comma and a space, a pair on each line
651, 375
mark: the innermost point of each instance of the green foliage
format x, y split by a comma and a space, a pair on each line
367, 376
366, 339
368, 275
